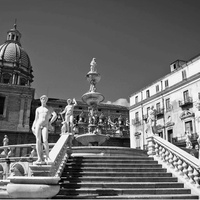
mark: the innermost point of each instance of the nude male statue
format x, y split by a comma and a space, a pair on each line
44, 117
69, 117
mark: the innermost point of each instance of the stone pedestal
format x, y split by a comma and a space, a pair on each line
21, 187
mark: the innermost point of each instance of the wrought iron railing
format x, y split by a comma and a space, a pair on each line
186, 101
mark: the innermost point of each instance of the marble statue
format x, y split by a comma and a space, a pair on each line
69, 117
5, 143
92, 86
151, 122
44, 117
187, 140
93, 65
5, 140
92, 115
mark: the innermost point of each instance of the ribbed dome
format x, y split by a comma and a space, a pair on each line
12, 52
15, 64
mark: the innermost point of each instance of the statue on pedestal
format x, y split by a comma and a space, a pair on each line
5, 144
69, 116
151, 122
93, 65
44, 117
187, 140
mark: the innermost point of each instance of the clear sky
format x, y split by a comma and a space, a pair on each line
133, 41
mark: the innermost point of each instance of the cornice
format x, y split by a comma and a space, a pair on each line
165, 91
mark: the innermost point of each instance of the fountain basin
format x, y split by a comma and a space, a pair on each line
91, 139
92, 98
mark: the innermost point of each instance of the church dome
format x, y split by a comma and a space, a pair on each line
13, 53
14, 61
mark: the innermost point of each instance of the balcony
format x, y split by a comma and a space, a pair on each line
186, 102
136, 122
160, 112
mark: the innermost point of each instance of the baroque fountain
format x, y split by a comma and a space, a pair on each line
93, 98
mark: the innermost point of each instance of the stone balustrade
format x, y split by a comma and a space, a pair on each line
16, 159
19, 150
177, 161
43, 182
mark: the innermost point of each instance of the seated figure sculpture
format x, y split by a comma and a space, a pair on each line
44, 117
69, 117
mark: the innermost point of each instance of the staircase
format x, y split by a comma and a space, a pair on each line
118, 174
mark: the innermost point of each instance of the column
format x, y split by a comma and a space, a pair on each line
27, 114
21, 114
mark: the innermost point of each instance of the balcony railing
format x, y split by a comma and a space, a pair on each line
186, 102
160, 112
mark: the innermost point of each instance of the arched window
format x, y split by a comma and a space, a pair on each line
6, 78
23, 81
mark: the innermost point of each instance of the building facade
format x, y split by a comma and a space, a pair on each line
175, 99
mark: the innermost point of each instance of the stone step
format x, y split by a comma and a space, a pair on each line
110, 158
114, 165
107, 151
142, 197
119, 179
110, 169
114, 174
122, 185
83, 162
108, 173
116, 192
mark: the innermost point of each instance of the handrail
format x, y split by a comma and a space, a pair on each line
23, 145
182, 164
178, 151
9, 151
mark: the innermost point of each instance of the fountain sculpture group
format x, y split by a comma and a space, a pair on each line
92, 98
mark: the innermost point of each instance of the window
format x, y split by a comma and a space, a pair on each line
23, 81
166, 83
158, 106
2, 105
136, 116
157, 88
186, 95
184, 76
167, 104
6, 78
136, 99
188, 127
147, 94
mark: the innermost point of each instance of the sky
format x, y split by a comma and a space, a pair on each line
134, 42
